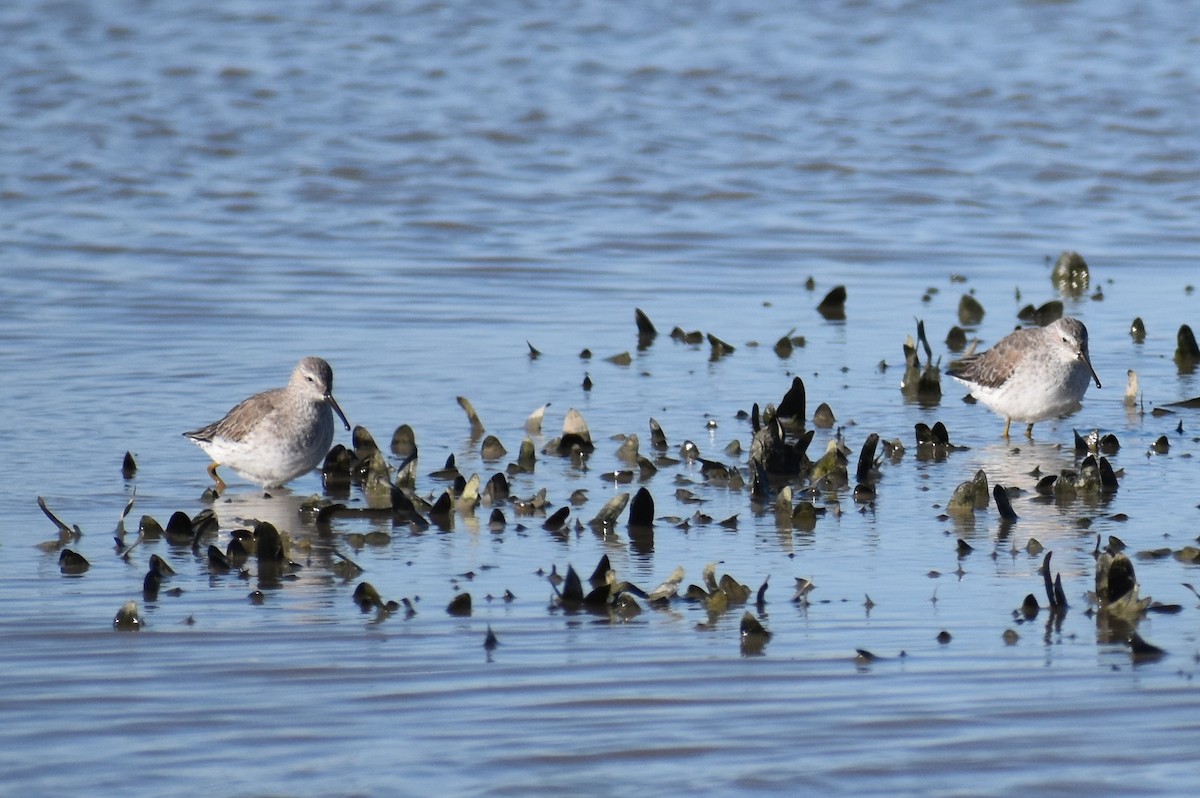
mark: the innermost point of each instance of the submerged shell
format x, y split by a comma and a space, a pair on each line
641, 510
533, 424
492, 449
668, 588
404, 441
1070, 274
149, 528
366, 596
823, 416
980, 482
610, 511
1003, 503
575, 427
833, 306
1117, 587
793, 403
970, 311
363, 442
752, 626
962, 502
269, 543
127, 618
719, 347
72, 563
645, 327
161, 566
460, 605
658, 438
472, 416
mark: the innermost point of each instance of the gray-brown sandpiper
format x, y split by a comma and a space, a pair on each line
1032, 374
275, 436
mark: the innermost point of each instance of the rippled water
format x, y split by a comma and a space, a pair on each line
196, 195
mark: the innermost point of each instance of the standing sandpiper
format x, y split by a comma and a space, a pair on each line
277, 435
1031, 374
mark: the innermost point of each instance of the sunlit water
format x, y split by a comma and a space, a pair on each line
194, 198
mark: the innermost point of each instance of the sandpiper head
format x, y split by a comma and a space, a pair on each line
1073, 337
315, 377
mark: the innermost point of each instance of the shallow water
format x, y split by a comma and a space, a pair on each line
195, 197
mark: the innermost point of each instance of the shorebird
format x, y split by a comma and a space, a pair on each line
1032, 374
275, 436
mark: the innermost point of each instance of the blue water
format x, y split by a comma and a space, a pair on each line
194, 196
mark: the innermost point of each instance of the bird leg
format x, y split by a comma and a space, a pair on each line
1007, 422
1029, 432
212, 472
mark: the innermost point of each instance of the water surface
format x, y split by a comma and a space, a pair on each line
196, 196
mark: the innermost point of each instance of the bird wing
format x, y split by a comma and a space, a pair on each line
238, 421
992, 368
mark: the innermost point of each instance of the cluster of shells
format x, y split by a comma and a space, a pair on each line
780, 476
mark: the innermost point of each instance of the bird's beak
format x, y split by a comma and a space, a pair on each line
1082, 356
333, 403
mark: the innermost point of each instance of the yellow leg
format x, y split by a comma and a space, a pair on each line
1029, 432
1007, 421
212, 472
